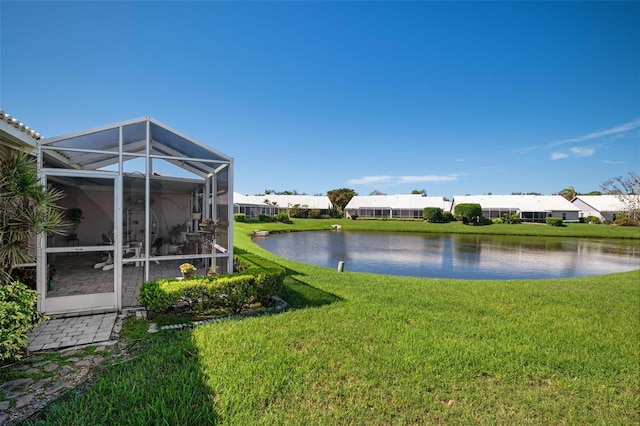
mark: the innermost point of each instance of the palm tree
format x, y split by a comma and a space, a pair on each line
26, 209
569, 193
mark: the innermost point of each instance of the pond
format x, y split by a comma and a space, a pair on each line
456, 256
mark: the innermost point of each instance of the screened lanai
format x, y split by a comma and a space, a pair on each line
136, 195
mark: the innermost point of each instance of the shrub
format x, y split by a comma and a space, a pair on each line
156, 297
255, 280
448, 217
240, 217
282, 217
18, 314
511, 219
468, 211
266, 218
269, 276
554, 221
592, 219
432, 214
236, 292
626, 221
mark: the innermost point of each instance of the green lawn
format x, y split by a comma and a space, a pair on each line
378, 350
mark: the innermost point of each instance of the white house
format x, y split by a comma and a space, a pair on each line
400, 206
604, 207
271, 204
530, 208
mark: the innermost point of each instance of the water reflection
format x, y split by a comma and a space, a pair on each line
457, 256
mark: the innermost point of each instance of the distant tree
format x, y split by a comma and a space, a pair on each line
297, 211
274, 192
569, 193
419, 191
627, 190
376, 192
593, 193
340, 198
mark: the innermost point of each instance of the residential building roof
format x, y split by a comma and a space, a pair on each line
603, 203
307, 201
397, 202
15, 133
520, 202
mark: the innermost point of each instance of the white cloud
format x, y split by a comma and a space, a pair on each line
576, 151
559, 155
616, 132
582, 152
622, 128
397, 180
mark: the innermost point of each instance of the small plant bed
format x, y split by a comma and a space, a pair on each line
251, 288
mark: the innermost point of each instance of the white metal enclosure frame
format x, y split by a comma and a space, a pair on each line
105, 152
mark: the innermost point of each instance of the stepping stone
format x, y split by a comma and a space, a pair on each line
15, 384
56, 387
24, 400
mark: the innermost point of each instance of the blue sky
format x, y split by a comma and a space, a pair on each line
451, 97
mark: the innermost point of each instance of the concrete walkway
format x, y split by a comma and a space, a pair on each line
72, 331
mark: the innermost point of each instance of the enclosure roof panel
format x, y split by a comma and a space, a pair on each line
99, 147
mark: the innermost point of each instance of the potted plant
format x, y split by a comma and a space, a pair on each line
188, 270
75, 216
208, 225
178, 233
213, 270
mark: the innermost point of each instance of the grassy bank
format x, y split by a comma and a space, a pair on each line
581, 230
378, 350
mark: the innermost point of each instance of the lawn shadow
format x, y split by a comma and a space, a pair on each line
302, 295
158, 380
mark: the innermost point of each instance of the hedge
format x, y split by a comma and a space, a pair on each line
554, 221
256, 280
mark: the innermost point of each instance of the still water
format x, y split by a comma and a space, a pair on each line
456, 256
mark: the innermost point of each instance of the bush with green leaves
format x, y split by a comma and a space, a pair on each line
269, 276
255, 280
467, 211
554, 221
266, 218
236, 292
283, 217
591, 219
511, 219
626, 221
433, 214
18, 314
240, 217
